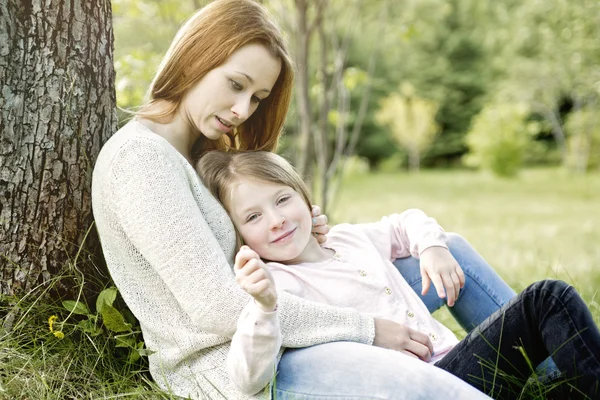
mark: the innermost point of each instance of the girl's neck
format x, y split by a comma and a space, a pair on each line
313, 253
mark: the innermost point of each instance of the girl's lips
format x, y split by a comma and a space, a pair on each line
222, 126
285, 236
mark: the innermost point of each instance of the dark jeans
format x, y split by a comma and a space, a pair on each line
549, 318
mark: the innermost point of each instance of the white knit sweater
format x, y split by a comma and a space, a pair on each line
169, 246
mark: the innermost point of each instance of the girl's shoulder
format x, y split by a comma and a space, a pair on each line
347, 234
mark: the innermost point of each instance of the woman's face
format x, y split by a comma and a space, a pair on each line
228, 95
272, 219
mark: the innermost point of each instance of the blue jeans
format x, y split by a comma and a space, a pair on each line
483, 294
356, 371
547, 318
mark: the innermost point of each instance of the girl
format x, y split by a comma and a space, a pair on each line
269, 206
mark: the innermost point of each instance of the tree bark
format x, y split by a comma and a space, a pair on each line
57, 108
303, 33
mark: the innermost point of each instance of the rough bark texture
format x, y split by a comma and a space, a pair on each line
57, 108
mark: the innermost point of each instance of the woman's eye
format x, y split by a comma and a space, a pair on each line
256, 99
236, 85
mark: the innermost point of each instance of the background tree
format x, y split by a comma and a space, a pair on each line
56, 110
411, 120
499, 138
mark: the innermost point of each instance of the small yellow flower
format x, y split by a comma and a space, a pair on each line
56, 333
51, 322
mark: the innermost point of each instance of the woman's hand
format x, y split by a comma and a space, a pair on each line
252, 275
439, 266
391, 335
320, 227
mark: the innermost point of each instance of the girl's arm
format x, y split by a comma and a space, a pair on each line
414, 233
406, 234
158, 202
252, 358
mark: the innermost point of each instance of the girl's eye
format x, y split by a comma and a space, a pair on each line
283, 199
236, 85
256, 99
251, 217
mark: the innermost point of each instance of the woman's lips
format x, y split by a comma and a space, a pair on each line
222, 126
285, 236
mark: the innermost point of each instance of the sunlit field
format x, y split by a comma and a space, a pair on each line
543, 224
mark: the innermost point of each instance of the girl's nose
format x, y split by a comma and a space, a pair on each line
277, 221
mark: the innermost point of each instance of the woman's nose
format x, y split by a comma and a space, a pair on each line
242, 109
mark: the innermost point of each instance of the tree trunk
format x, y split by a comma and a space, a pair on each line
57, 108
303, 32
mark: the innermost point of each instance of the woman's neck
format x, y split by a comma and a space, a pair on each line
176, 131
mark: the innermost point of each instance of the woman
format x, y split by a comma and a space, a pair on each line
226, 81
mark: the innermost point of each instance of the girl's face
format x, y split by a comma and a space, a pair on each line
272, 219
230, 93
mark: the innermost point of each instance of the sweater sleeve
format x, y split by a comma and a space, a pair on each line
252, 357
153, 199
406, 234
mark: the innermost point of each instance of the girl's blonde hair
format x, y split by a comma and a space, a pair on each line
205, 42
220, 170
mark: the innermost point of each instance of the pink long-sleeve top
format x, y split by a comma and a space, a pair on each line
360, 275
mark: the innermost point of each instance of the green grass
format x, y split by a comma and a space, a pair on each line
543, 224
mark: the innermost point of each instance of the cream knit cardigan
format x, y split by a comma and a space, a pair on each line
169, 246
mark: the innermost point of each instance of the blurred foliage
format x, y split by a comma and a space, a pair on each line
411, 121
584, 141
499, 138
463, 55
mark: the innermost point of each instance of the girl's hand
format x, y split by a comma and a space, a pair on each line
320, 227
391, 335
254, 278
439, 266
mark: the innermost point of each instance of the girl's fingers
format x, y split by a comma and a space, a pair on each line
450, 289
243, 256
439, 285
457, 283
425, 283
461, 276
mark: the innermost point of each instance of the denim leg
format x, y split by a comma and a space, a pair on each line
353, 371
547, 318
484, 291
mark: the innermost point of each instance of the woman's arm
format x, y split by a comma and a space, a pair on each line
153, 196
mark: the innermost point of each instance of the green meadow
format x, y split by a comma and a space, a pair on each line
543, 224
